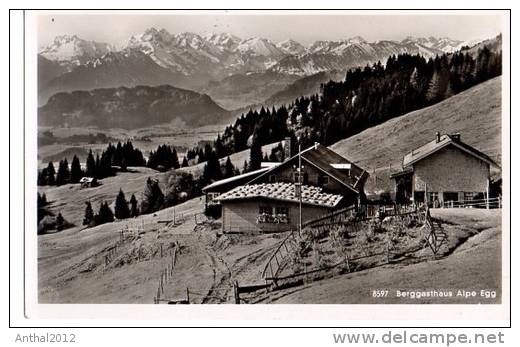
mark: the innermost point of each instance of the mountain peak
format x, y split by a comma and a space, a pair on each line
224, 40
151, 31
71, 50
356, 40
291, 46
189, 39
260, 46
66, 38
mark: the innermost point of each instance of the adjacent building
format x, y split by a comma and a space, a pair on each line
215, 189
444, 169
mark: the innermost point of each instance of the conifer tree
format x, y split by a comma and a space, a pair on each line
51, 180
433, 93
63, 174
255, 154
153, 198
42, 200
134, 210
121, 209
98, 171
185, 162
42, 177
60, 222
105, 214
75, 170
91, 165
229, 169
88, 219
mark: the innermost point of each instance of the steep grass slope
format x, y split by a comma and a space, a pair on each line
475, 114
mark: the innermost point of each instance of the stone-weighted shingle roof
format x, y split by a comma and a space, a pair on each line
311, 195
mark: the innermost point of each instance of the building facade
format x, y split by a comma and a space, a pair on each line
270, 201
443, 170
273, 207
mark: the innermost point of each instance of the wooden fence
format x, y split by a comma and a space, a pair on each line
480, 203
280, 256
435, 238
166, 275
112, 252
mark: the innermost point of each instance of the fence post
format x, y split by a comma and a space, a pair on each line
187, 295
237, 294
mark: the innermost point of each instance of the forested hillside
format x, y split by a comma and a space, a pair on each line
367, 97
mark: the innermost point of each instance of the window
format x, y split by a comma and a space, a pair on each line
468, 196
266, 215
296, 176
450, 196
323, 180
419, 197
272, 179
212, 196
265, 210
433, 199
282, 210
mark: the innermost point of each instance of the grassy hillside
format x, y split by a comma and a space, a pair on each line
475, 114
70, 199
474, 265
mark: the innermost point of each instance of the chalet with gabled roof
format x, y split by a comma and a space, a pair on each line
444, 169
321, 167
269, 201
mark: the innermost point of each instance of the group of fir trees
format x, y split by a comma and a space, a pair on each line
180, 187
367, 97
41, 204
101, 166
65, 173
46, 219
121, 155
213, 170
164, 158
122, 210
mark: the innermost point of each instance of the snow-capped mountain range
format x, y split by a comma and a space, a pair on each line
71, 51
223, 53
190, 60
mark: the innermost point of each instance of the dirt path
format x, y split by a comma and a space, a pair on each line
221, 287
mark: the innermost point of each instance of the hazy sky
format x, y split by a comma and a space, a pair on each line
303, 28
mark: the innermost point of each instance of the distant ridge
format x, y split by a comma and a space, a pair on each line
130, 108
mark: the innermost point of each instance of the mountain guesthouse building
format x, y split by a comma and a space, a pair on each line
270, 201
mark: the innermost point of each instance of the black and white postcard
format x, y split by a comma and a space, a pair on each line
348, 162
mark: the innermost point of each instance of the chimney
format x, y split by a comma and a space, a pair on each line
438, 137
455, 136
287, 148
